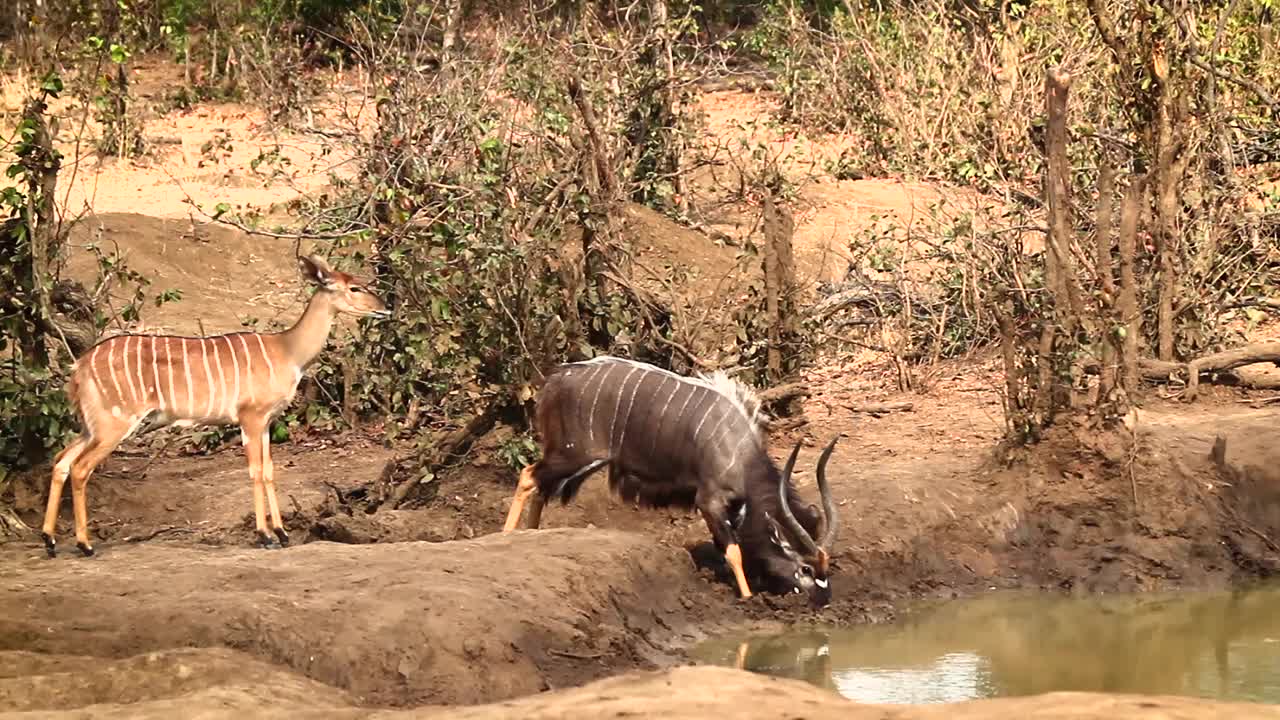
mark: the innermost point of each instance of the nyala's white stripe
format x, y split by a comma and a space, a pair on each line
248, 366
742, 396
235, 373
115, 380
133, 392
208, 375
222, 380
142, 385
168, 361
155, 375
617, 405
271, 368
186, 372
631, 401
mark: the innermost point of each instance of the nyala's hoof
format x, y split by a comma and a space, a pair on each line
85, 550
283, 536
50, 545
266, 542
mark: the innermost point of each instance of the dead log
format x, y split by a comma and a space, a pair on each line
877, 409
1221, 364
1271, 305
1230, 360
783, 392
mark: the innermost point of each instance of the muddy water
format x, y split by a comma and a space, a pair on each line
1214, 645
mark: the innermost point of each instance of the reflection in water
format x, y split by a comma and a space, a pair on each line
951, 678
1215, 645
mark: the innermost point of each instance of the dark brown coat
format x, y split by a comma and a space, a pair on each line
675, 441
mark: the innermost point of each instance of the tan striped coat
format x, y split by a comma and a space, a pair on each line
243, 379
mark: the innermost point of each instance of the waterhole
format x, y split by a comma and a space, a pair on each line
1223, 646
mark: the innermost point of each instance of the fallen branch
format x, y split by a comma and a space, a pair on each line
784, 424
10, 524
1260, 402
576, 656
862, 294
157, 533
876, 409
451, 445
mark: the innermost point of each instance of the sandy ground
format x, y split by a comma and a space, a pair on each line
219, 684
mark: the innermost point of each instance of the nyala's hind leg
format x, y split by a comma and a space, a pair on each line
536, 503
524, 488
61, 469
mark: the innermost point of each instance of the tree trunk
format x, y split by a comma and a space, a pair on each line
1062, 322
1130, 315
1060, 271
779, 284
599, 257
673, 145
1016, 421
1103, 266
33, 271
1171, 163
452, 35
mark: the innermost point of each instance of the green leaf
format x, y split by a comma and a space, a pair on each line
51, 84
279, 432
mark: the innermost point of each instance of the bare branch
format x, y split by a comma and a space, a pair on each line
1251, 85
1102, 20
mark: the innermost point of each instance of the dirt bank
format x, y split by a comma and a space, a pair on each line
404, 623
211, 684
59, 683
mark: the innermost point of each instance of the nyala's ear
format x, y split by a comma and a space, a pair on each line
315, 270
821, 527
775, 531
822, 563
737, 514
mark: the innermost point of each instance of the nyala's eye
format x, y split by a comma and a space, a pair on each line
357, 289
